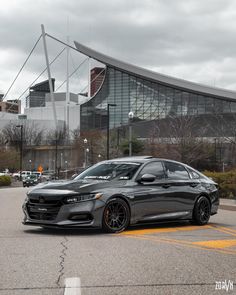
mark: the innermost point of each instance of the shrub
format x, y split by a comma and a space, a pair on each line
5, 180
226, 182
137, 146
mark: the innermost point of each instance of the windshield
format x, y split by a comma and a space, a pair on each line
111, 170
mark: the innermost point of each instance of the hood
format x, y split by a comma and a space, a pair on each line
72, 187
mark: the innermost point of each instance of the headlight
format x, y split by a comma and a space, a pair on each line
80, 198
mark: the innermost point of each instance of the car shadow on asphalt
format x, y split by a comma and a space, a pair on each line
92, 231
64, 232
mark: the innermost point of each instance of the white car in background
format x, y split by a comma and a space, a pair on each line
38, 175
6, 172
23, 174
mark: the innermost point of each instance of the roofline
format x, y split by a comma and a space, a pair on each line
168, 80
41, 83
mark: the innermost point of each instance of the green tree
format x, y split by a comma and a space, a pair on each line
137, 146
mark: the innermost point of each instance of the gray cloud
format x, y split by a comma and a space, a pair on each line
189, 39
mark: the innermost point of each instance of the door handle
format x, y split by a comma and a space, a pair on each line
166, 185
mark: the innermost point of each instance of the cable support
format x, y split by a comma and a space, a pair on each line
42, 72
22, 67
73, 73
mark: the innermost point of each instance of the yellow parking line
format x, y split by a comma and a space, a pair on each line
225, 230
182, 243
221, 246
228, 228
163, 230
192, 244
216, 244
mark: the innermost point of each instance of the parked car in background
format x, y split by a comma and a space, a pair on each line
16, 175
6, 172
23, 174
120, 192
48, 175
38, 175
30, 180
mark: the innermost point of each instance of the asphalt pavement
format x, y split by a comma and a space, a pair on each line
164, 258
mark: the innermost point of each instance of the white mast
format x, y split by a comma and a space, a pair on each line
67, 85
49, 76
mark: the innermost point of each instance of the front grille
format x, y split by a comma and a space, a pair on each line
37, 201
46, 211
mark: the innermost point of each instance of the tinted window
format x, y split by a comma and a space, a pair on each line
176, 171
110, 170
193, 173
154, 168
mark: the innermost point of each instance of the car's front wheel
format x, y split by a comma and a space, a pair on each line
116, 216
202, 211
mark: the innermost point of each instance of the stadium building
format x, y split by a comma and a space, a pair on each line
155, 100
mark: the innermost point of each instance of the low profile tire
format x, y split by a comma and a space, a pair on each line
202, 211
116, 216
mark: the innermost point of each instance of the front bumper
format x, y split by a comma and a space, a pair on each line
29, 183
68, 216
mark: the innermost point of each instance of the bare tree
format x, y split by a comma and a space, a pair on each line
32, 135
56, 137
224, 128
96, 144
176, 138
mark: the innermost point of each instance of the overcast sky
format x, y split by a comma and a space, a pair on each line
189, 39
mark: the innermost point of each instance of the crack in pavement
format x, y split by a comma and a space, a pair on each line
62, 260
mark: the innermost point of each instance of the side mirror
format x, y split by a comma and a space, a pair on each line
147, 178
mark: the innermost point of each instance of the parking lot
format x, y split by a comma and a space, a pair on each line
163, 258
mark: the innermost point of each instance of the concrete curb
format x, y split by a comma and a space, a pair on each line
227, 207
228, 204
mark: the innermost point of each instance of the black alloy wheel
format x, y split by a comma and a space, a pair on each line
202, 211
116, 216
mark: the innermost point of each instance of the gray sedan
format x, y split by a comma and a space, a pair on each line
117, 193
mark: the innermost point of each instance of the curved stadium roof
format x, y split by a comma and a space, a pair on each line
154, 76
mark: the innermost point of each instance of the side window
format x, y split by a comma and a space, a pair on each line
193, 173
155, 168
175, 171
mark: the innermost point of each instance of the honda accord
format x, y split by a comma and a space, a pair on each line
117, 193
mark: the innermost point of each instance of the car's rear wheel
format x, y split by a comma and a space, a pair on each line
116, 216
202, 211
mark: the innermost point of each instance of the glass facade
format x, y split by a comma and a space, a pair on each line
148, 100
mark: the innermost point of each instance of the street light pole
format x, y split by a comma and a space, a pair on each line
21, 148
66, 164
108, 127
86, 157
61, 160
99, 157
215, 149
130, 116
85, 152
56, 151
